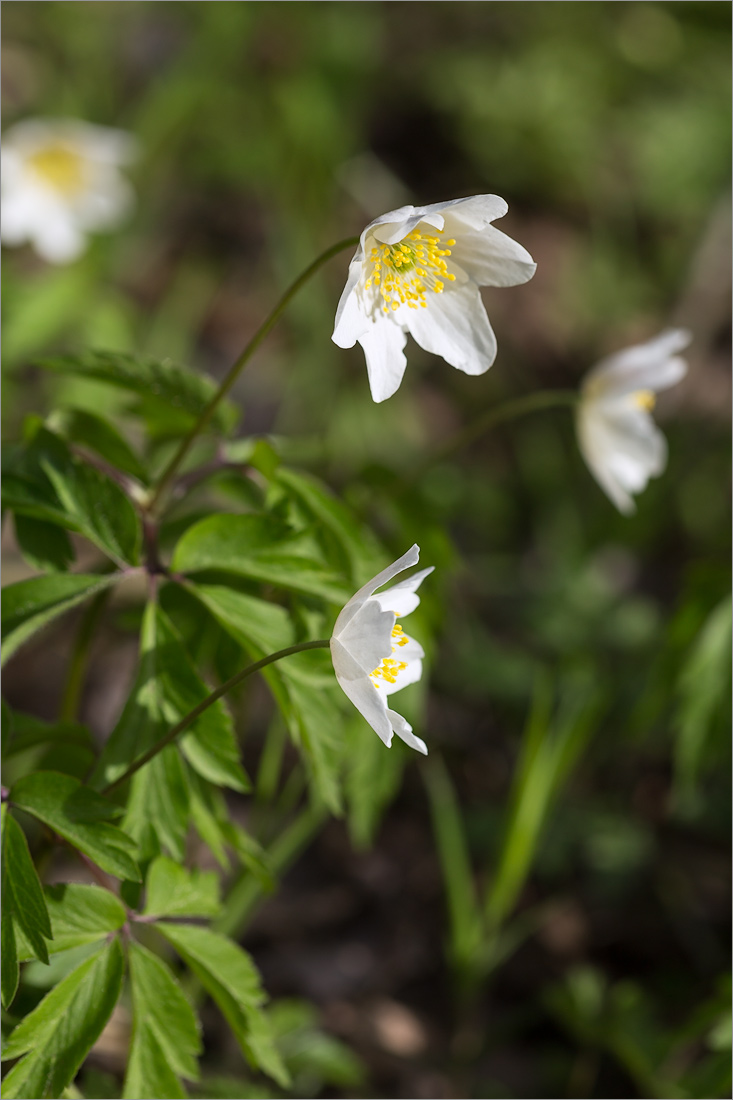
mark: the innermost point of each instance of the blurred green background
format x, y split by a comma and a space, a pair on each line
268, 131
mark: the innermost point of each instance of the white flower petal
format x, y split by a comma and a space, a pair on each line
392, 227
60, 241
455, 326
351, 319
383, 345
368, 635
411, 557
402, 597
623, 449
361, 692
403, 729
61, 179
653, 365
490, 257
475, 211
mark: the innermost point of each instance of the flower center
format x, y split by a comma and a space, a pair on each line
403, 273
59, 166
645, 399
390, 668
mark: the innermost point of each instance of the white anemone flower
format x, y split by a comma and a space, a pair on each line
372, 656
61, 181
618, 438
418, 270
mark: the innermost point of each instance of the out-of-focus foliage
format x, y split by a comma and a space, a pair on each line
582, 863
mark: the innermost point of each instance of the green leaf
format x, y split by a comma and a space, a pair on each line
81, 816
23, 901
59, 1033
260, 548
97, 508
45, 481
28, 732
230, 977
100, 436
703, 685
168, 688
158, 805
10, 973
303, 685
359, 550
29, 605
79, 915
173, 891
165, 1031
263, 627
176, 386
43, 545
24, 913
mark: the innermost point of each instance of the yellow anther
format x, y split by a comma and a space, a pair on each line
645, 399
413, 266
59, 166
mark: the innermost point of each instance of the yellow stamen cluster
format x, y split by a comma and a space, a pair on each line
390, 668
645, 399
59, 166
403, 273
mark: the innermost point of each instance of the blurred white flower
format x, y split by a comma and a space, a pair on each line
61, 181
618, 438
418, 270
372, 656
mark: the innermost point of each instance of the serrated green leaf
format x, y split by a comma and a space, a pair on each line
303, 685
44, 545
267, 626
29, 732
168, 688
23, 901
79, 915
29, 605
10, 973
360, 551
100, 436
97, 508
59, 1033
165, 1032
230, 977
261, 549
178, 387
158, 805
45, 481
173, 891
81, 816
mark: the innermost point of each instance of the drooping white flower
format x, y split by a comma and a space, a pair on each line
372, 656
418, 270
618, 438
61, 181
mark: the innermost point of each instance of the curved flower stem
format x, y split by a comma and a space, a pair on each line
239, 364
205, 704
531, 402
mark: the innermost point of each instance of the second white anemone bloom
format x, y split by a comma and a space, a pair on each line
618, 438
60, 181
372, 656
418, 270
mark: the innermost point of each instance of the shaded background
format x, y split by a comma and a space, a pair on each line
269, 130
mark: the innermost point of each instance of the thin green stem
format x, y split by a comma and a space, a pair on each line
205, 704
80, 657
510, 410
239, 365
247, 891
